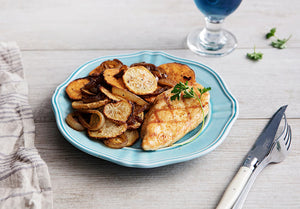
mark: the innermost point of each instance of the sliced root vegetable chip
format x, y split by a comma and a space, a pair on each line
106, 65
79, 105
140, 80
108, 130
132, 136
166, 82
178, 72
128, 96
73, 89
87, 92
97, 71
110, 95
116, 142
119, 111
109, 77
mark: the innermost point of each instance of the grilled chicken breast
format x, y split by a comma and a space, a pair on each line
168, 121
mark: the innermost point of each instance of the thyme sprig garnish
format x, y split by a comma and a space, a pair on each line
188, 92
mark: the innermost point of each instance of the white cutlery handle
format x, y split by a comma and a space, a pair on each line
235, 188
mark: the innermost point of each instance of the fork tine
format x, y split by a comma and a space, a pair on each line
287, 135
290, 137
285, 132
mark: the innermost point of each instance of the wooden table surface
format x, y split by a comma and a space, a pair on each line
57, 36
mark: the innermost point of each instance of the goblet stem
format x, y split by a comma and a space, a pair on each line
212, 37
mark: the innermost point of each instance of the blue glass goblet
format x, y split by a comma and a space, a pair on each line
213, 40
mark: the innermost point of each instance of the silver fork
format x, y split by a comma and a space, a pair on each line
278, 153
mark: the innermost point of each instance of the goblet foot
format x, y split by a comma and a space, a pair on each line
226, 44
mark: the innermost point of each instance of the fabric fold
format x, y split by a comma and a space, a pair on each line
24, 177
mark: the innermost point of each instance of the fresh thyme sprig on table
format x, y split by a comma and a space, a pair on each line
255, 55
188, 92
278, 43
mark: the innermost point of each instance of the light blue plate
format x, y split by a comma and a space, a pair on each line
223, 113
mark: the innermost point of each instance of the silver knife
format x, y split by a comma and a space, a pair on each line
255, 156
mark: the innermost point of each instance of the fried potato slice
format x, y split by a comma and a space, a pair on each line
115, 63
110, 95
72, 121
178, 72
128, 96
119, 111
73, 89
109, 77
97, 119
108, 130
132, 136
117, 142
79, 105
140, 80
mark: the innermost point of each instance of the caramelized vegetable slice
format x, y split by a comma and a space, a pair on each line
156, 71
110, 95
109, 77
132, 136
129, 96
135, 121
96, 120
150, 99
140, 80
87, 92
92, 98
149, 66
115, 63
93, 85
117, 142
166, 82
97, 71
73, 89
178, 72
79, 105
119, 111
109, 130
72, 121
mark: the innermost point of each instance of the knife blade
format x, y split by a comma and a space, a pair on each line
254, 157
264, 142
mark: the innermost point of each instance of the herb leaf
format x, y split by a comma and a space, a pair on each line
271, 33
202, 91
280, 43
188, 92
255, 55
178, 88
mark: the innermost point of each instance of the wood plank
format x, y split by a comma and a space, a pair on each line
260, 87
80, 179
135, 24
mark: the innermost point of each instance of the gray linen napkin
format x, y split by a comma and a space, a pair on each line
24, 177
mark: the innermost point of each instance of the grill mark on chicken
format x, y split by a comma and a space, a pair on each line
171, 109
189, 114
167, 121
